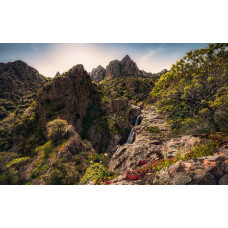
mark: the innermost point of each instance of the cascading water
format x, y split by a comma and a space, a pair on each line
131, 135
137, 120
118, 148
132, 132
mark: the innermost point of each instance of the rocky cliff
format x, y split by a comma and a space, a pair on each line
67, 96
125, 67
98, 74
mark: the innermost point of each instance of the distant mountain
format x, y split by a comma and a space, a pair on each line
17, 81
98, 74
18, 77
125, 67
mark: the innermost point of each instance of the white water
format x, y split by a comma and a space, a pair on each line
132, 132
137, 121
118, 148
131, 135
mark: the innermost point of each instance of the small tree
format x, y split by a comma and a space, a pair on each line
56, 129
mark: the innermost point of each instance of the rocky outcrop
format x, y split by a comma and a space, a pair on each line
146, 74
125, 67
98, 74
208, 170
159, 74
67, 96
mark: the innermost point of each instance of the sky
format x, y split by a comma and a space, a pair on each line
52, 57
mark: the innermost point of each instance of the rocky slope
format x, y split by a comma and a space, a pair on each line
18, 82
153, 143
20, 78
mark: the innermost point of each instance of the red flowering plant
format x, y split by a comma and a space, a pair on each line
142, 162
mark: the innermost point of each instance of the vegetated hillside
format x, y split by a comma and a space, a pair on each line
99, 118
135, 89
75, 130
18, 83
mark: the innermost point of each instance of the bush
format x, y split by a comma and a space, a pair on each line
98, 174
16, 161
56, 129
62, 174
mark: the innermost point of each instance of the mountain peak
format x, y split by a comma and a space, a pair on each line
126, 58
125, 67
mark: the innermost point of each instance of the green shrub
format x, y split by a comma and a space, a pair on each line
56, 129
16, 161
62, 174
97, 173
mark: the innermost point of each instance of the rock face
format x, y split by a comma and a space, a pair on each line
67, 96
125, 67
98, 74
19, 78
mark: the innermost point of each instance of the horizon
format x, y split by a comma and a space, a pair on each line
49, 58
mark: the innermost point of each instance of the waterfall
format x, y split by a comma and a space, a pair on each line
137, 120
131, 136
132, 132
118, 148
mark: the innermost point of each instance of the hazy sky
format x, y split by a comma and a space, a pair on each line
50, 58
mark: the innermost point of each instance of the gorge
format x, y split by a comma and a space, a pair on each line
117, 125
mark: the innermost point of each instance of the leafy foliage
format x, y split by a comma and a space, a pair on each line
22, 129
56, 129
98, 174
62, 174
194, 93
132, 88
16, 161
